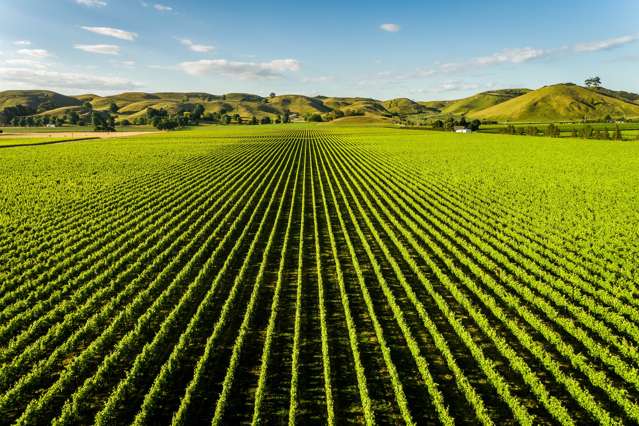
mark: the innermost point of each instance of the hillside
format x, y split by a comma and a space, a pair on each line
551, 103
403, 106
558, 102
619, 94
481, 101
37, 100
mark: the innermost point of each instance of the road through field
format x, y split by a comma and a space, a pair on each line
310, 276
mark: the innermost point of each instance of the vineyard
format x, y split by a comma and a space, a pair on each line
315, 274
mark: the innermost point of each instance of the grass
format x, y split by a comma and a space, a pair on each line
420, 277
481, 101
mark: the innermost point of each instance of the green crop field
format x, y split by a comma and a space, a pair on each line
309, 274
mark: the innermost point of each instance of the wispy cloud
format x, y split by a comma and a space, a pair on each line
453, 86
194, 47
34, 53
391, 28
26, 63
509, 56
162, 7
91, 3
55, 79
112, 32
608, 44
22, 43
127, 64
318, 79
100, 49
505, 56
241, 70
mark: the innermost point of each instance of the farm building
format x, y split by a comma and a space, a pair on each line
461, 129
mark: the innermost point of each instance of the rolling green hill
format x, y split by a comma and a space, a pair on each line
561, 102
481, 101
558, 102
37, 100
403, 106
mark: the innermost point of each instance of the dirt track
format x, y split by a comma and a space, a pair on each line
58, 135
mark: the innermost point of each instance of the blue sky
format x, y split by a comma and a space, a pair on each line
417, 49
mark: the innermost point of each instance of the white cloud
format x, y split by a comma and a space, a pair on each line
318, 79
513, 56
391, 28
162, 8
22, 43
505, 56
126, 64
54, 79
34, 53
100, 49
91, 3
194, 47
26, 63
453, 86
242, 70
610, 43
112, 32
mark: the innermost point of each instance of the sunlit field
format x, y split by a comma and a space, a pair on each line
313, 273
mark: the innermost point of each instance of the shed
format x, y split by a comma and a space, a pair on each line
461, 129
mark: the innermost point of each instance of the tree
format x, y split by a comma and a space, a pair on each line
438, 124
593, 82
198, 110
97, 121
113, 108
102, 123
254, 120
474, 125
449, 124
87, 106
265, 120
271, 95
618, 136
552, 131
286, 118
73, 117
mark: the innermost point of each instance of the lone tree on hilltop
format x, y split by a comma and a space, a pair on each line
593, 82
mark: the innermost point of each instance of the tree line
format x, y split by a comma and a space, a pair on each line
554, 131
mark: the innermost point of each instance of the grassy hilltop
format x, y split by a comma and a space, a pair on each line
561, 101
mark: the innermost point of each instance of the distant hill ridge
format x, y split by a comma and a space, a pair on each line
549, 103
